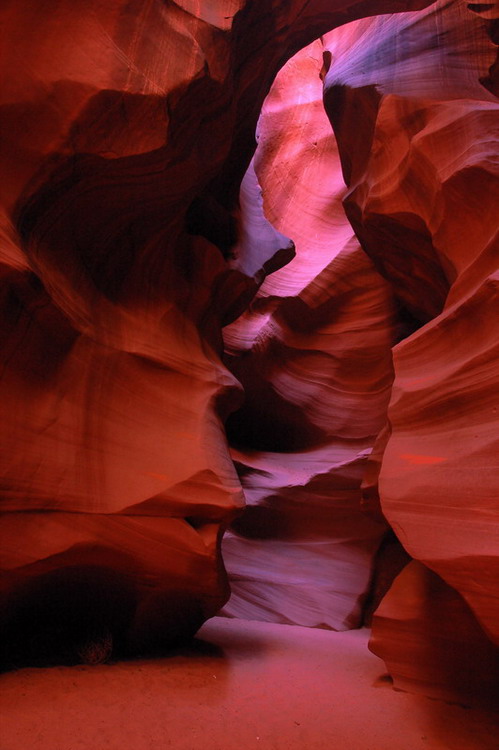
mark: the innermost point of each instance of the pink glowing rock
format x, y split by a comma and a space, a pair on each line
314, 356
422, 198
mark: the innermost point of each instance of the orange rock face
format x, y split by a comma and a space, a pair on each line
126, 131
189, 326
422, 198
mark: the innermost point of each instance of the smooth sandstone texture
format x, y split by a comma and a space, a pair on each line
422, 198
314, 356
432, 643
136, 225
126, 129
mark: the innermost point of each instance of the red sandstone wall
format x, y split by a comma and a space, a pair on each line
422, 198
124, 252
314, 356
126, 129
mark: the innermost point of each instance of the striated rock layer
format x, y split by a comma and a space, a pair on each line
314, 356
135, 226
423, 192
126, 130
432, 643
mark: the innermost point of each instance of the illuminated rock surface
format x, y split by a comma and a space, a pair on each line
314, 356
322, 348
422, 198
126, 130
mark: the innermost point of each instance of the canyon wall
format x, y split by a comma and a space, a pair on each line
423, 194
191, 326
126, 130
411, 99
313, 354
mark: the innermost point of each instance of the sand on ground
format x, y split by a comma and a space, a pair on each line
242, 685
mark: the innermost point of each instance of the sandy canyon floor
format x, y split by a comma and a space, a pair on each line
242, 685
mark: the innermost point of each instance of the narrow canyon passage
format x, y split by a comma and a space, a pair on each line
249, 374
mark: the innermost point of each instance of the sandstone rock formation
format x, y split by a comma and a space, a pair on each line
423, 193
314, 356
411, 98
126, 130
432, 643
325, 305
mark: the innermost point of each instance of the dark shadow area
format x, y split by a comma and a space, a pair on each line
267, 422
191, 647
76, 614
61, 612
389, 560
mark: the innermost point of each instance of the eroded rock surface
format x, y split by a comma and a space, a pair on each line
423, 197
127, 128
135, 226
431, 641
314, 356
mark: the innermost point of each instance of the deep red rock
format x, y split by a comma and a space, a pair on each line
431, 641
423, 200
137, 223
127, 128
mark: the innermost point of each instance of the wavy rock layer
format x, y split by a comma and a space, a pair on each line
423, 192
127, 129
314, 356
429, 638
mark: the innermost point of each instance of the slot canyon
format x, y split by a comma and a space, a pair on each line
249, 382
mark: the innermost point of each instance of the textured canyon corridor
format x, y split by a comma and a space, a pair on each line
249, 374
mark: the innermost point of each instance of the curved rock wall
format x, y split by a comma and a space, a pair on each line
126, 130
423, 201
314, 356
136, 227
